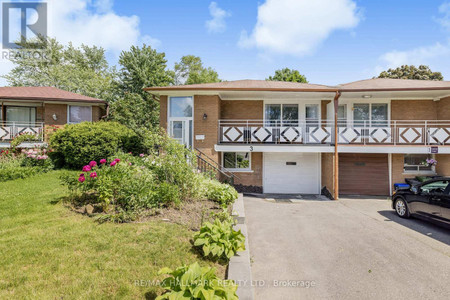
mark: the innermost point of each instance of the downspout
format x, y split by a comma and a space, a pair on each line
336, 154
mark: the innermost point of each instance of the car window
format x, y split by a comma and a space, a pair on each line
435, 187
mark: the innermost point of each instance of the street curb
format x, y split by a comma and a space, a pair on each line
239, 268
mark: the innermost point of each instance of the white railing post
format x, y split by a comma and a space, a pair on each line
248, 132
425, 134
395, 133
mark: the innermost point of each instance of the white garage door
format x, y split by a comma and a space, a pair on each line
291, 173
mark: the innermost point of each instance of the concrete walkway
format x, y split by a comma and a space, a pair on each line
346, 249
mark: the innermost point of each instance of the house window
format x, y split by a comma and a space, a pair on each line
312, 114
21, 114
78, 114
237, 161
414, 163
281, 114
370, 114
180, 119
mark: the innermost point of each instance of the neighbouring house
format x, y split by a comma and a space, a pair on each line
38, 110
280, 137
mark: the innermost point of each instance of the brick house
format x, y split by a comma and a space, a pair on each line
280, 137
36, 110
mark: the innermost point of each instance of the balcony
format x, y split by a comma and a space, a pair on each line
321, 132
9, 130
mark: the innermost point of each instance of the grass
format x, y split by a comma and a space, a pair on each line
48, 251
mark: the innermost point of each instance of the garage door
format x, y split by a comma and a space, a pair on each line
291, 173
363, 174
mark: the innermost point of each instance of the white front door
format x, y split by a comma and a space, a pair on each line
291, 173
181, 130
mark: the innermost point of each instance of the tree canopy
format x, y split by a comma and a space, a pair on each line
411, 72
140, 68
82, 70
287, 74
190, 70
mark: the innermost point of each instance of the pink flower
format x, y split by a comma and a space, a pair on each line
130, 152
129, 164
92, 164
103, 161
113, 163
82, 175
86, 168
93, 175
117, 160
81, 179
141, 155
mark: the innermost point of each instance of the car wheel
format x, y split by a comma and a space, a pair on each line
401, 209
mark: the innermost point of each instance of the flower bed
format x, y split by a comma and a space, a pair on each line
16, 164
125, 187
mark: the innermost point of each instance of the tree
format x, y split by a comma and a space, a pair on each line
287, 74
82, 70
190, 70
411, 72
140, 68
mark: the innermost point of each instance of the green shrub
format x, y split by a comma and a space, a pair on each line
77, 144
195, 282
222, 193
219, 240
23, 165
26, 137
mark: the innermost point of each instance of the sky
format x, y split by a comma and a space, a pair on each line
329, 41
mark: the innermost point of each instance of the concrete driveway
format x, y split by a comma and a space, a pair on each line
346, 249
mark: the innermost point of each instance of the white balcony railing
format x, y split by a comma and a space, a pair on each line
322, 132
9, 130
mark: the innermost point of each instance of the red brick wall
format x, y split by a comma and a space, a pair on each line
242, 110
209, 105
414, 110
163, 112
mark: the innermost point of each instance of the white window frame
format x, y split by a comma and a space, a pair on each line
418, 171
170, 119
68, 113
369, 122
237, 170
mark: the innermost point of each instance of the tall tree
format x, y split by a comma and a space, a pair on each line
190, 70
140, 68
287, 74
411, 72
82, 70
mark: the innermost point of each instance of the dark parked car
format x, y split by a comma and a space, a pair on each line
429, 200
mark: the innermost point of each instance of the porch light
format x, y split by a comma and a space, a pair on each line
205, 116
367, 96
54, 117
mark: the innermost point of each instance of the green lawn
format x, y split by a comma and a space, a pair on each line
48, 252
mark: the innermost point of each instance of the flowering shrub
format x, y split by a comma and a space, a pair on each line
429, 162
23, 164
37, 157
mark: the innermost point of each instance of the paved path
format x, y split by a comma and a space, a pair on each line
347, 249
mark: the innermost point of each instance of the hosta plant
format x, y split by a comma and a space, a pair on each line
195, 282
219, 240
